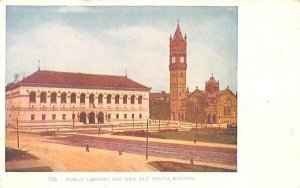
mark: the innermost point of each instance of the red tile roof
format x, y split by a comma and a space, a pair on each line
79, 80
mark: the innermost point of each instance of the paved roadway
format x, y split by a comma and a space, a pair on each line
177, 151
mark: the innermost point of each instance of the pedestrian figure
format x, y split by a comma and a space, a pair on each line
192, 161
87, 148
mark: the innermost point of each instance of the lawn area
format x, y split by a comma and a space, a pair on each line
169, 166
214, 135
33, 169
14, 154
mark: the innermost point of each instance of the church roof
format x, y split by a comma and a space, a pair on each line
196, 91
212, 81
79, 80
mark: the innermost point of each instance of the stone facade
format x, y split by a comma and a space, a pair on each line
36, 104
221, 104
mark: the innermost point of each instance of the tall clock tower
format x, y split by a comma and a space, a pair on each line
177, 67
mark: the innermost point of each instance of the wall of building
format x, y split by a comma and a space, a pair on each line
17, 102
222, 101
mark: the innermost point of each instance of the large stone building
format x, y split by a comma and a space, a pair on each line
220, 105
53, 98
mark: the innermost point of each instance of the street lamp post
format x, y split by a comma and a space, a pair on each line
147, 141
73, 118
99, 120
99, 130
18, 131
195, 139
133, 121
195, 117
159, 124
219, 118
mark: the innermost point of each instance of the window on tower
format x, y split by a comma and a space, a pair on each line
182, 59
173, 59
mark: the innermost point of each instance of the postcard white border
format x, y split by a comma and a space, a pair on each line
268, 79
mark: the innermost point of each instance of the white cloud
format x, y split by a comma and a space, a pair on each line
144, 51
203, 61
142, 37
77, 9
63, 48
58, 47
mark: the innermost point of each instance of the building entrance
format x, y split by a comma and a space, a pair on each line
82, 117
92, 118
100, 117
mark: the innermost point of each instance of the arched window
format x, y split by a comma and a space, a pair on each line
91, 98
140, 99
73, 98
227, 108
53, 97
43, 97
100, 98
117, 99
214, 118
82, 98
63, 98
108, 99
32, 97
125, 99
208, 119
132, 99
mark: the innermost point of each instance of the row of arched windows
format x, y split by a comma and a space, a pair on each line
63, 98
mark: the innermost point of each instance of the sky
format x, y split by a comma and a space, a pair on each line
113, 40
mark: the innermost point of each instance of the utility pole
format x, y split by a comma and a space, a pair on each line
73, 118
219, 118
18, 131
99, 130
147, 141
159, 124
133, 121
195, 139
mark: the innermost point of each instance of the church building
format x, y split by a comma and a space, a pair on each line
221, 105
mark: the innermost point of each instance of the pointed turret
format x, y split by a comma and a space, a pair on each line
178, 34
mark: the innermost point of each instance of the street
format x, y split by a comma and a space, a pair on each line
167, 150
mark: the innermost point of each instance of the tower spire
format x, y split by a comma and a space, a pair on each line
178, 34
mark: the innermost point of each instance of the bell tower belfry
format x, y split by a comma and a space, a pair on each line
177, 67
